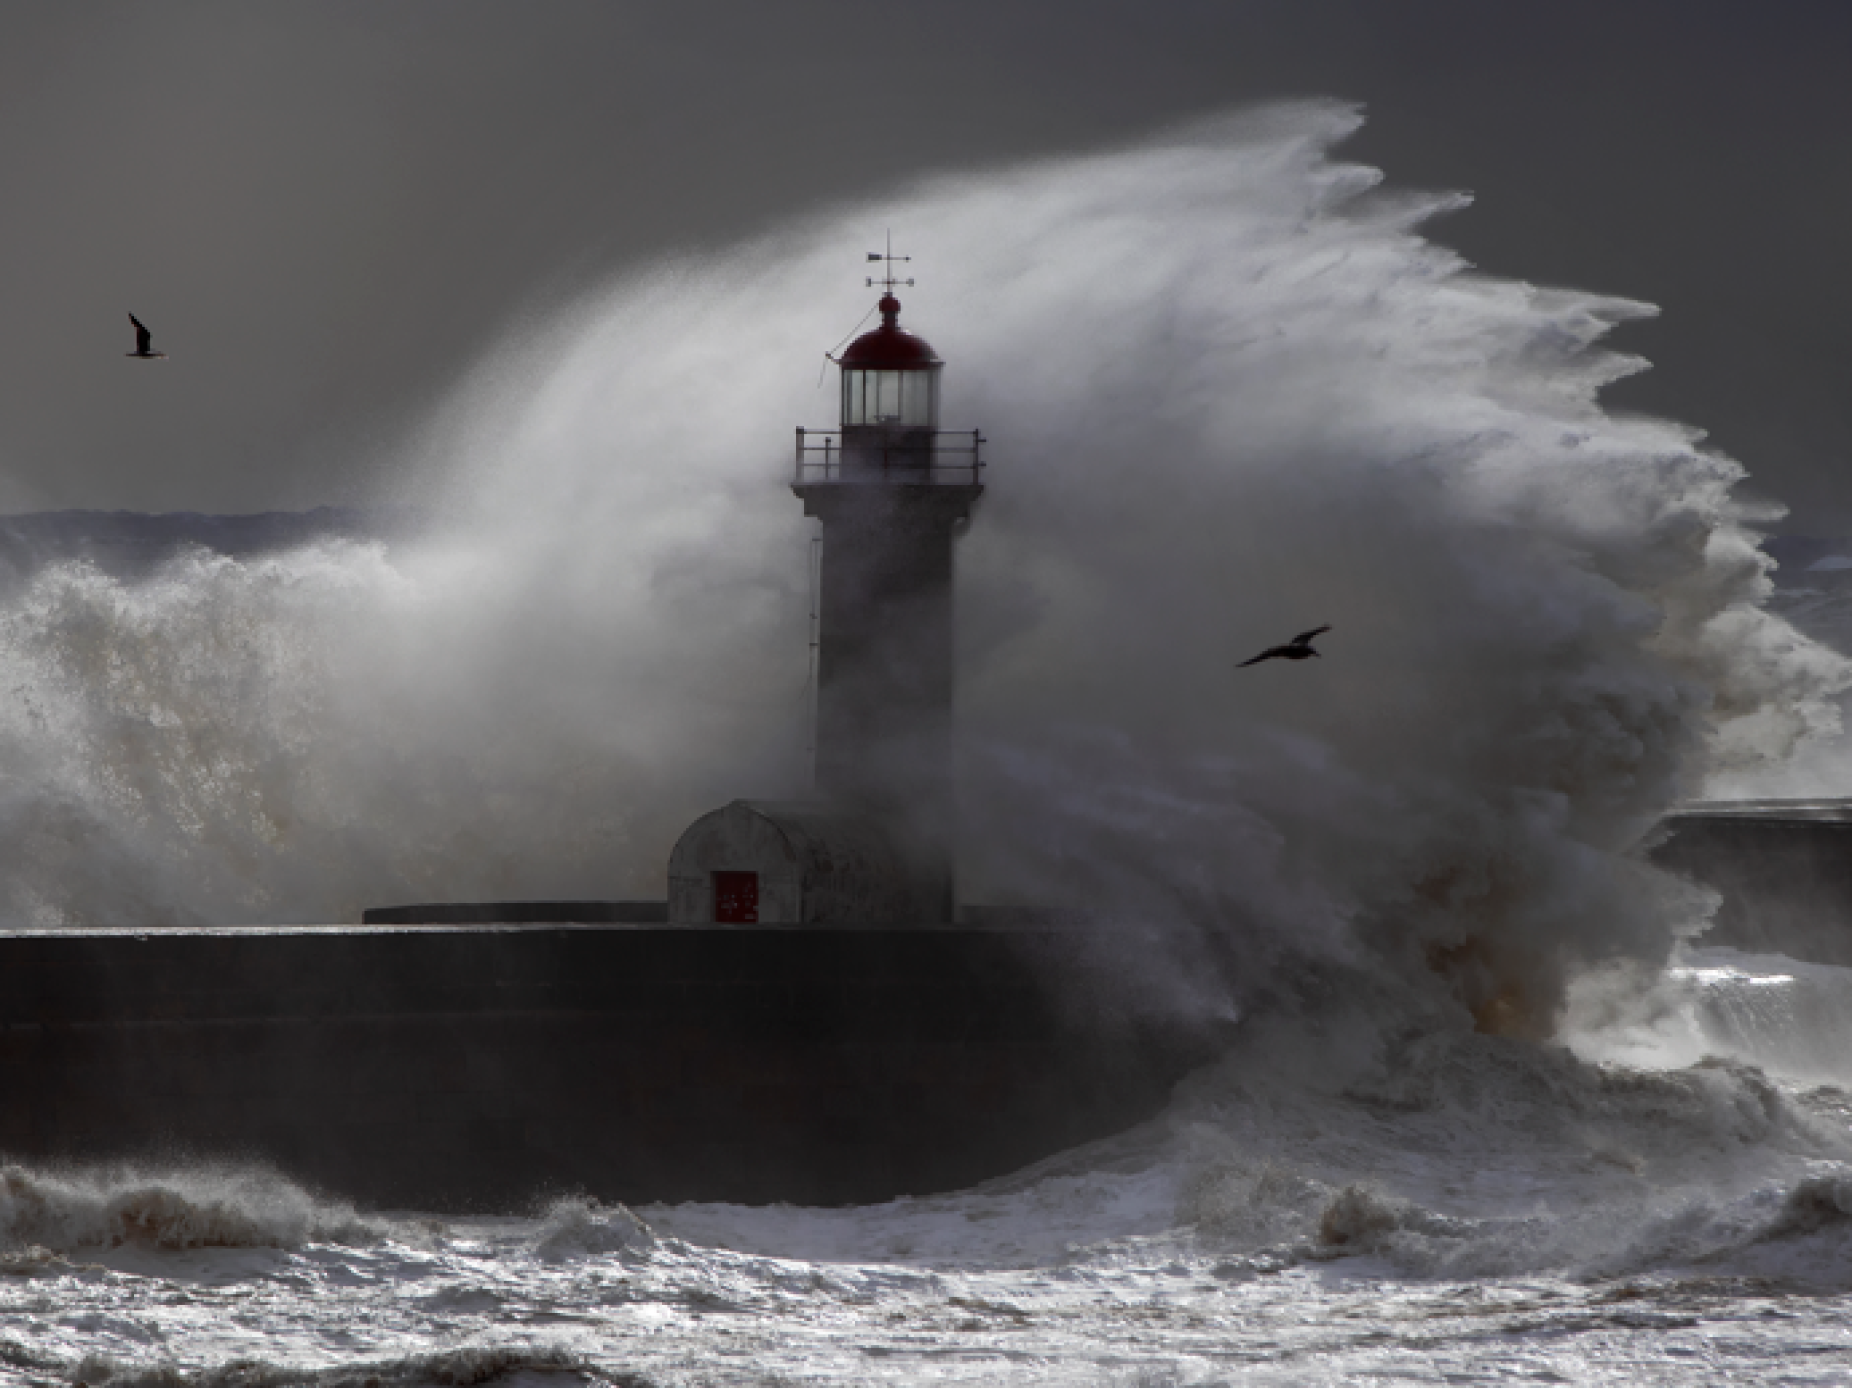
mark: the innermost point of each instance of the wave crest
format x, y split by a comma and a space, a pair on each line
182, 1209
530, 1365
577, 1227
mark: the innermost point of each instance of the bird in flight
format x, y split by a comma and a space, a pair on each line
1296, 649
144, 342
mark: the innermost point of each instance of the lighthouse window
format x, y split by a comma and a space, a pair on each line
909, 399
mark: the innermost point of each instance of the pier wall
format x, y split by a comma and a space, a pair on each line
458, 1068
1783, 869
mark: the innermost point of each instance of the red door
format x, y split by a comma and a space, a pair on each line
736, 898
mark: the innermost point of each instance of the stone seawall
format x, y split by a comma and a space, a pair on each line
1783, 869
477, 1068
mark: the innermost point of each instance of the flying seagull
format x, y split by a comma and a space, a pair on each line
144, 342
1296, 649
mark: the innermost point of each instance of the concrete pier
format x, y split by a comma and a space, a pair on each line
457, 1068
1783, 868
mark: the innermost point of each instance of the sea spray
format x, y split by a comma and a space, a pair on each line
1233, 392
1788, 1017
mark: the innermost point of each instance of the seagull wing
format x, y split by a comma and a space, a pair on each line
1267, 654
144, 339
1305, 636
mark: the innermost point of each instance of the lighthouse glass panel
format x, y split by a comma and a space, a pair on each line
898, 399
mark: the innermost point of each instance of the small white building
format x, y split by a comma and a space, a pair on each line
761, 862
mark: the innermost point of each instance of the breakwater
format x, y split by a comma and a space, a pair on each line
1782, 867
478, 1067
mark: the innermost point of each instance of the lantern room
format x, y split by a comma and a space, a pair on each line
890, 378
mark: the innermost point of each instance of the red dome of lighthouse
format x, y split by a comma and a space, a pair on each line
889, 347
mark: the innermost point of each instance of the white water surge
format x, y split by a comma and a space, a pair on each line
1233, 393
1322, 1206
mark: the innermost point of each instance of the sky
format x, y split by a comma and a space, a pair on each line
328, 212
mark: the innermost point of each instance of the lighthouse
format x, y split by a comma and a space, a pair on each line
891, 490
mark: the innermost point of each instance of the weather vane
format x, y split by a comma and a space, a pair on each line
889, 260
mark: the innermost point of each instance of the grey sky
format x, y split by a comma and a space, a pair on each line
326, 210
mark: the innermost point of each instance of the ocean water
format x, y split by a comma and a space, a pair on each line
1330, 1203
1494, 1112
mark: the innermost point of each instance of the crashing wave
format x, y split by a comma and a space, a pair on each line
181, 1208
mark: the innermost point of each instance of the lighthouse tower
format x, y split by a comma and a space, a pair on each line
891, 489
